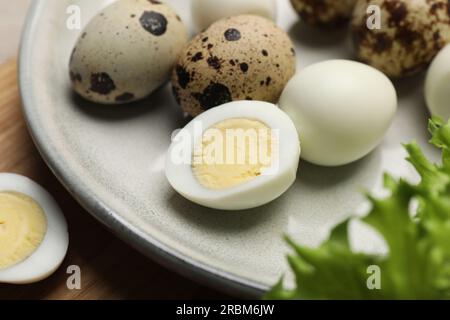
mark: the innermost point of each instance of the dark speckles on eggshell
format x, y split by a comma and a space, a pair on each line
214, 62
75, 77
244, 67
125, 97
197, 57
102, 83
324, 13
183, 76
232, 34
154, 22
214, 95
382, 42
398, 12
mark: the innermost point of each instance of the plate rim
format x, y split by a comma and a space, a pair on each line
143, 242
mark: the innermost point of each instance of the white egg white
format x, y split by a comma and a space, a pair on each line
259, 191
49, 255
206, 12
437, 85
342, 110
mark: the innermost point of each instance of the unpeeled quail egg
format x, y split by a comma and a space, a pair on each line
33, 231
127, 51
205, 12
236, 156
411, 33
324, 12
244, 57
342, 110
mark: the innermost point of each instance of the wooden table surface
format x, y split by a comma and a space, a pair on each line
110, 269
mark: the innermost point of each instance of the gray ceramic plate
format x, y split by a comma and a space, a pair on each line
111, 160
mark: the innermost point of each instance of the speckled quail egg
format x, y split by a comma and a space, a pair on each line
236, 156
437, 85
205, 12
33, 231
245, 57
324, 12
412, 32
127, 51
342, 118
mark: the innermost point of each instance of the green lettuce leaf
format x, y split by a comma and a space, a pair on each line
414, 221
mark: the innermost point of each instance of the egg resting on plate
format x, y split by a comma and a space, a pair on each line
412, 33
244, 57
236, 156
126, 51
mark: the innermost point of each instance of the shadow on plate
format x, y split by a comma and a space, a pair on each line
365, 170
228, 221
161, 98
317, 38
410, 86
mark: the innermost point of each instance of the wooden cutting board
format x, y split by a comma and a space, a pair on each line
110, 269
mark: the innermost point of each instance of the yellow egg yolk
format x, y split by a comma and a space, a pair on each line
233, 152
22, 227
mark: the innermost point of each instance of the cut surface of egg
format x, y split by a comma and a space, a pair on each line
33, 231
437, 85
206, 12
236, 156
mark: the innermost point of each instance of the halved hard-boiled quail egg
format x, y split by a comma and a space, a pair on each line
33, 231
237, 156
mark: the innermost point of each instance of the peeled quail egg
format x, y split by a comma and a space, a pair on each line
410, 35
244, 57
437, 85
33, 231
236, 156
342, 110
324, 12
127, 51
205, 12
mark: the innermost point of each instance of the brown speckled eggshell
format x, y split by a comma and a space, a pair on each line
324, 12
127, 51
244, 57
411, 34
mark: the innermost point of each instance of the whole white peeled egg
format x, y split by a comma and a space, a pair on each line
437, 85
33, 231
205, 12
236, 156
342, 110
